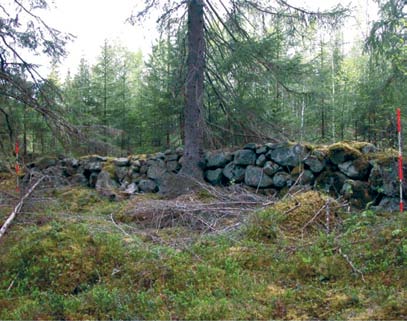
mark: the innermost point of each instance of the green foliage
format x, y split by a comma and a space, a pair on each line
86, 268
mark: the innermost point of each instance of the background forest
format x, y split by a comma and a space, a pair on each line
266, 79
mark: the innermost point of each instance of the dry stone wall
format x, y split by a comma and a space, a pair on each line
355, 171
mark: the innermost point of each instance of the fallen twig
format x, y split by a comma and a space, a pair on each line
354, 268
18, 207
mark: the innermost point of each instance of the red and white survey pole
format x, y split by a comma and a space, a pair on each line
400, 159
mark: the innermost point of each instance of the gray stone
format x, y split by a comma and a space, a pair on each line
105, 182
251, 146
331, 182
172, 185
357, 193
121, 173
388, 204
135, 163
143, 169
68, 171
218, 160
134, 169
316, 164
383, 179
261, 160
287, 155
173, 166
159, 156
131, 188
255, 177
214, 176
78, 179
172, 157
262, 150
122, 161
148, 186
93, 166
342, 152
70, 162
156, 169
368, 148
307, 177
245, 157
105, 185
168, 152
271, 168
135, 177
282, 179
179, 151
96, 158
357, 169
234, 173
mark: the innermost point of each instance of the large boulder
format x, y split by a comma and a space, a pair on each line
78, 179
388, 204
173, 166
261, 160
105, 185
214, 177
282, 179
270, 168
156, 169
342, 152
234, 173
315, 162
131, 189
218, 160
147, 186
356, 193
92, 166
121, 173
331, 182
122, 161
304, 176
255, 177
245, 157
286, 154
383, 178
356, 169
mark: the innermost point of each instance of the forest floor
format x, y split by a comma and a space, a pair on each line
72, 254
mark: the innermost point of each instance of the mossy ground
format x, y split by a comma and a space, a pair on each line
79, 264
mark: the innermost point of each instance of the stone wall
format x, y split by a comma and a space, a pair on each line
355, 171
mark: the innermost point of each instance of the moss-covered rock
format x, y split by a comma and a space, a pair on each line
287, 154
356, 169
342, 152
357, 193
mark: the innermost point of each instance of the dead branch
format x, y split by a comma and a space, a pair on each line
18, 207
354, 268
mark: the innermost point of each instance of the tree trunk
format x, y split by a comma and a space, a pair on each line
193, 112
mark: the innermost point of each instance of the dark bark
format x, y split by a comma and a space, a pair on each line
193, 112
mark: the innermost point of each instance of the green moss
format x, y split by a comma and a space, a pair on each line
109, 167
342, 152
89, 269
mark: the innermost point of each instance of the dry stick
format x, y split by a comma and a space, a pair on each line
354, 268
19, 206
312, 219
117, 225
